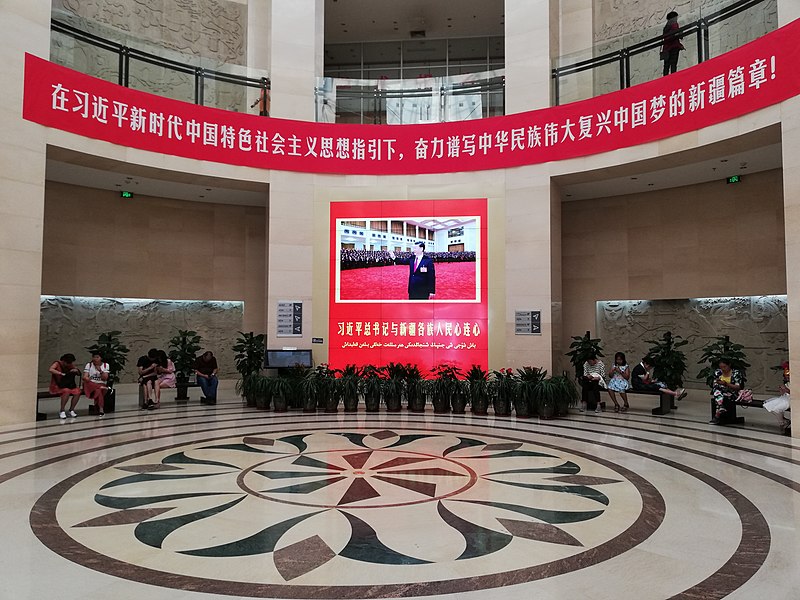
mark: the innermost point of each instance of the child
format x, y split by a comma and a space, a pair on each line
619, 381
777, 406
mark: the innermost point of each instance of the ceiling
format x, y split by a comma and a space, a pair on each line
750, 153
384, 20
65, 166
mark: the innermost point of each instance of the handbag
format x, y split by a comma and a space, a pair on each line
663, 55
745, 396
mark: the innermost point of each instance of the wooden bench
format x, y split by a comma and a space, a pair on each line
42, 394
189, 384
666, 401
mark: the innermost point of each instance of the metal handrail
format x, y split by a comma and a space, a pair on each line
126, 53
622, 56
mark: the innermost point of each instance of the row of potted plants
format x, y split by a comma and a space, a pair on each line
529, 391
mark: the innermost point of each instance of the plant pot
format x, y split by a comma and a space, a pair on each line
280, 404
416, 402
459, 404
441, 405
502, 407
332, 403
393, 404
522, 409
251, 400
263, 402
480, 406
309, 404
350, 403
372, 402
547, 410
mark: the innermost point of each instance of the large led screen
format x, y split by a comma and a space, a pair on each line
408, 283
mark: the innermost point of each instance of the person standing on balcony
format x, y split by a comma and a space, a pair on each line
671, 47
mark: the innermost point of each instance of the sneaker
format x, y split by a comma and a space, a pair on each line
62, 415
598, 409
72, 414
101, 414
681, 393
581, 408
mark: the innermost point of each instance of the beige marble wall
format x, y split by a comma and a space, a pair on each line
679, 243
24, 27
98, 244
528, 51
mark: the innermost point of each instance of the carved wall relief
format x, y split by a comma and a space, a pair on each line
71, 323
759, 323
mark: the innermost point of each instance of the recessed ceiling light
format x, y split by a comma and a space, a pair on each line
651, 184
724, 160
208, 189
201, 195
634, 178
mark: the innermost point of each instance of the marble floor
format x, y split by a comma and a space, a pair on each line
199, 502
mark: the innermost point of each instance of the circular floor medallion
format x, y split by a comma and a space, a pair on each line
331, 513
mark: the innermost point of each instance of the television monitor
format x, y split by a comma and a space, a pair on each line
279, 359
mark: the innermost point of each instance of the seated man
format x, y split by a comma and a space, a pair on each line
642, 380
205, 367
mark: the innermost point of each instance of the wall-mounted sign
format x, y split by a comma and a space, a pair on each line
290, 319
528, 322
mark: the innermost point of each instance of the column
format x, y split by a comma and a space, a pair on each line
24, 27
527, 55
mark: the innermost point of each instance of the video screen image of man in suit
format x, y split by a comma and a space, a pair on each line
421, 273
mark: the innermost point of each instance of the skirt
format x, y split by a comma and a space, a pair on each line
778, 405
618, 384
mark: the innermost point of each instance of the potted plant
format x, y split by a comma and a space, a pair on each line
115, 353
722, 347
249, 358
296, 374
669, 362
348, 387
416, 389
372, 383
445, 388
567, 394
583, 348
552, 396
262, 390
477, 380
184, 347
528, 378
503, 388
282, 390
317, 387
393, 386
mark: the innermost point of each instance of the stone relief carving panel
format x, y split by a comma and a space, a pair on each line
759, 323
211, 34
70, 324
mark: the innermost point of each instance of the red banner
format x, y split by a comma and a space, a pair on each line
759, 74
387, 305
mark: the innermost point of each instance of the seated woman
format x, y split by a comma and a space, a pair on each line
146, 366
95, 381
593, 380
62, 383
165, 369
205, 367
779, 405
724, 391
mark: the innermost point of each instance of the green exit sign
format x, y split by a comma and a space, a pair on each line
734, 179
126, 194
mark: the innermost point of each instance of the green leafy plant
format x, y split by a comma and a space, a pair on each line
416, 388
184, 347
249, 353
528, 379
477, 381
113, 351
721, 347
445, 388
552, 396
318, 387
393, 386
372, 384
295, 375
669, 363
502, 389
347, 386
583, 348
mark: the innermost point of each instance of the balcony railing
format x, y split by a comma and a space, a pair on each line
155, 70
403, 101
634, 58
